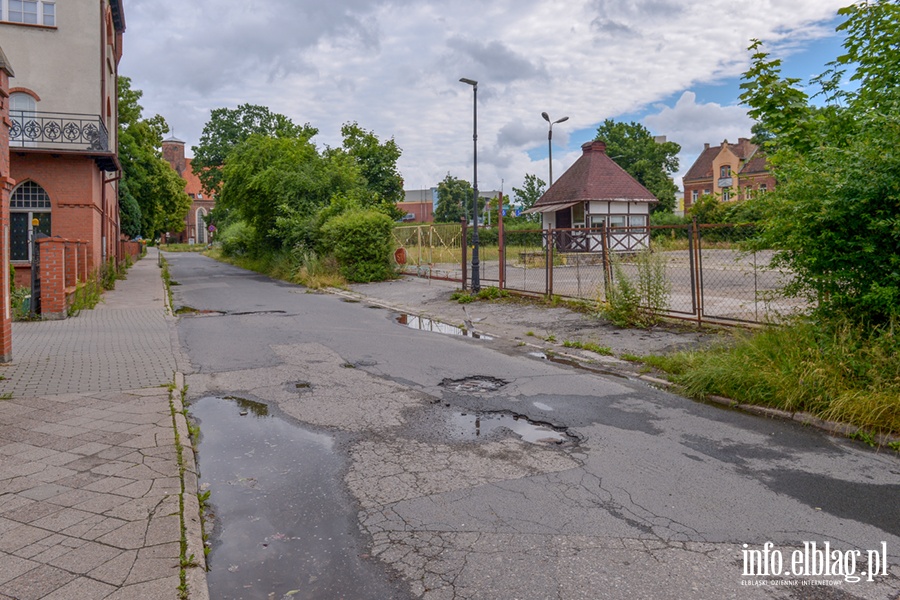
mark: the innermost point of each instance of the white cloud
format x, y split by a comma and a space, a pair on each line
394, 66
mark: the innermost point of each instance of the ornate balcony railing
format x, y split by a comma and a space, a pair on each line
63, 131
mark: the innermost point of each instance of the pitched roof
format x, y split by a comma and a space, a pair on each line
193, 182
745, 150
595, 176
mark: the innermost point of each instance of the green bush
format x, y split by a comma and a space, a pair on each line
237, 239
361, 242
638, 301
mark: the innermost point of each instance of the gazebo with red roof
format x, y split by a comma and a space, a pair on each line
593, 191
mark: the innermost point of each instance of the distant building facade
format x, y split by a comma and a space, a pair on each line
729, 171
196, 229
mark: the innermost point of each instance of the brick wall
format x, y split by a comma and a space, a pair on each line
62, 263
6, 183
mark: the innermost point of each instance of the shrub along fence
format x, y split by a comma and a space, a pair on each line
698, 272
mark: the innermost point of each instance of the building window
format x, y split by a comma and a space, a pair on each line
30, 12
29, 201
763, 188
695, 195
617, 220
725, 171
726, 196
578, 215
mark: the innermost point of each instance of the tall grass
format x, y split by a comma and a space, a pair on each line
836, 371
304, 268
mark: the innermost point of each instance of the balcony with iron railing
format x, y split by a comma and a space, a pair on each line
58, 131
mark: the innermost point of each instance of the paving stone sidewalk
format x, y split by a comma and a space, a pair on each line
90, 483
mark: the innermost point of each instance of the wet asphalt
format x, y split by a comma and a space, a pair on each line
377, 470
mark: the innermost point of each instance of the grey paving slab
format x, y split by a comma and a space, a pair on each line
89, 475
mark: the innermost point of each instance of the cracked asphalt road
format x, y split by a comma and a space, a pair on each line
655, 500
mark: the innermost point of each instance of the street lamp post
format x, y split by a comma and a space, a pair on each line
550, 140
476, 274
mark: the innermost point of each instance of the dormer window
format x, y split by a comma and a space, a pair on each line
725, 171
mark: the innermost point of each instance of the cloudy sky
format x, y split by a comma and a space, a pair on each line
394, 67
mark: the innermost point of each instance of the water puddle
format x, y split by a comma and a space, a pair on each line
426, 324
282, 526
473, 426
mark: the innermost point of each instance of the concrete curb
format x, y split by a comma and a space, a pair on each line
190, 516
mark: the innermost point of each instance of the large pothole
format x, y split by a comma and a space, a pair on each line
475, 384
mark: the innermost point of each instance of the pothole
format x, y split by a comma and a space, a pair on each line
426, 324
474, 426
473, 385
190, 311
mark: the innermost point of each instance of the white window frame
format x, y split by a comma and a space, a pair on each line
45, 14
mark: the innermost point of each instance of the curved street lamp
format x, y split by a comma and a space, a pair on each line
550, 140
476, 275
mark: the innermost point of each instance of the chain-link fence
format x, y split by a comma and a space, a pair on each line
700, 270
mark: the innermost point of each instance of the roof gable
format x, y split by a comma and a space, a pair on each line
595, 176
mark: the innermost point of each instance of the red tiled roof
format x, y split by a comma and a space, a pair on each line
193, 187
745, 150
595, 176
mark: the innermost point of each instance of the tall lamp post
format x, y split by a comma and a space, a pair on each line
550, 140
476, 274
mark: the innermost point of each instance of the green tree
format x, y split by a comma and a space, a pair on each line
532, 189
454, 200
267, 180
151, 194
227, 128
834, 217
634, 149
377, 162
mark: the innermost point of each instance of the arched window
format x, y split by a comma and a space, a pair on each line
28, 201
201, 226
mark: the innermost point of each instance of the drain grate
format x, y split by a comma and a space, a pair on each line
475, 384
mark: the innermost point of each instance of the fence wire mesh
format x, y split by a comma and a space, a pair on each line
703, 270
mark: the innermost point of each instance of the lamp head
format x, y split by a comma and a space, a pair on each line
471, 82
546, 116
561, 120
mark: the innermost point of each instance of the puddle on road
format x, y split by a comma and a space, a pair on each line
426, 324
473, 426
283, 527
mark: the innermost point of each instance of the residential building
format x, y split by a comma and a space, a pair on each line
196, 229
64, 116
728, 171
6, 185
596, 192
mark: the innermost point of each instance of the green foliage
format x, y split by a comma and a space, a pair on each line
361, 242
238, 239
834, 217
492, 293
462, 297
637, 302
455, 200
151, 194
591, 346
266, 178
532, 189
86, 297
228, 128
835, 370
377, 163
634, 149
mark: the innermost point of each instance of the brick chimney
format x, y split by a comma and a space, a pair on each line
173, 153
594, 146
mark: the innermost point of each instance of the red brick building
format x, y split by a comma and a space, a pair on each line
730, 171
196, 230
64, 123
6, 185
